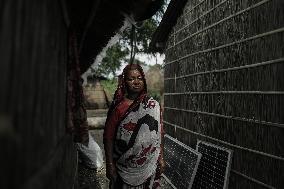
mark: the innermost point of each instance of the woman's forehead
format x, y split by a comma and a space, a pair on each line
133, 72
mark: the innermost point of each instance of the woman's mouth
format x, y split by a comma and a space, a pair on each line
136, 87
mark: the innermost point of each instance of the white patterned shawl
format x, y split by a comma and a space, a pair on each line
137, 161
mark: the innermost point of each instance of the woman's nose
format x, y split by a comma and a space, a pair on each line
136, 81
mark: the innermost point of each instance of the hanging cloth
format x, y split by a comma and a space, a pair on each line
76, 111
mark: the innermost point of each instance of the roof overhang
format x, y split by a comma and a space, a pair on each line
96, 21
160, 36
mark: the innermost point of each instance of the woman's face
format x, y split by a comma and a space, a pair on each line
134, 81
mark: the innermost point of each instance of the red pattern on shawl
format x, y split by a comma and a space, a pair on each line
129, 126
146, 150
141, 160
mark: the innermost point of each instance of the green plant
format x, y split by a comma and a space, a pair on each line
109, 87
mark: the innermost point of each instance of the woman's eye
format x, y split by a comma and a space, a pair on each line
132, 79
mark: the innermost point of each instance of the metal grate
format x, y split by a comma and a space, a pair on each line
181, 163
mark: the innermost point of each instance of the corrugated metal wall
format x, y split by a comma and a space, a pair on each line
224, 84
35, 152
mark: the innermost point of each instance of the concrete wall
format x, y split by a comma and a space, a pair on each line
35, 152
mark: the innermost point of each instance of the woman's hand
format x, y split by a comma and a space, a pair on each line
111, 173
162, 165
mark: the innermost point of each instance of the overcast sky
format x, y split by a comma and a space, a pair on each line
148, 59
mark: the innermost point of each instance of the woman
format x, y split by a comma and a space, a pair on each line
133, 134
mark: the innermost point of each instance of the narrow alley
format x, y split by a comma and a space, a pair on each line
208, 113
